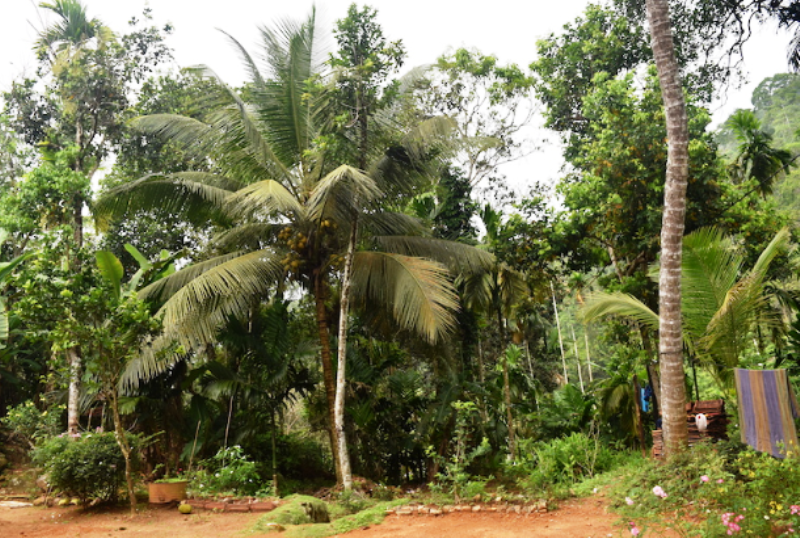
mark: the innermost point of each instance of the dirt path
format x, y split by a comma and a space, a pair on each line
580, 518
574, 519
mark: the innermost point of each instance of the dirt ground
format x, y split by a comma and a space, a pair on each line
580, 518
577, 518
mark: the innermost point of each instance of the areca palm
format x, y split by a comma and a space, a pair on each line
757, 158
498, 292
73, 29
721, 307
284, 209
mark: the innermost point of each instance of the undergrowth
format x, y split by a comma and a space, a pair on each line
711, 491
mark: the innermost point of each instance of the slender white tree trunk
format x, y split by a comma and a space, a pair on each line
73, 398
577, 358
560, 339
338, 408
588, 355
673, 392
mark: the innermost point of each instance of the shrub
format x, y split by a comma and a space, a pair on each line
731, 491
33, 426
562, 461
87, 466
229, 471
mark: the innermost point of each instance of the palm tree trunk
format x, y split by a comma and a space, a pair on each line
512, 442
320, 291
673, 391
344, 307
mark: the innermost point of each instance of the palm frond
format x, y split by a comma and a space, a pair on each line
247, 60
195, 201
778, 245
246, 235
513, 287
341, 194
618, 304
416, 291
226, 289
242, 129
169, 285
392, 223
265, 197
710, 267
197, 137
290, 50
456, 256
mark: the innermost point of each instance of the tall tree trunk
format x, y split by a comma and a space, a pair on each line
73, 398
344, 310
577, 358
560, 339
320, 293
512, 442
673, 391
125, 448
588, 354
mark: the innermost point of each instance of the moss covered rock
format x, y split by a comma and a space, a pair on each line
299, 510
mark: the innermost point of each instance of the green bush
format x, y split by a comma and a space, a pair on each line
229, 471
562, 461
86, 466
31, 425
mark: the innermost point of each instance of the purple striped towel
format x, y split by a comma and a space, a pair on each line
767, 409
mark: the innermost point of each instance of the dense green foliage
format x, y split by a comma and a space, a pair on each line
89, 467
489, 342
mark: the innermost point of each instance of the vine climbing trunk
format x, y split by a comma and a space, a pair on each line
673, 391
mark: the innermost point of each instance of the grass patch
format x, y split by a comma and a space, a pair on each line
293, 517
291, 512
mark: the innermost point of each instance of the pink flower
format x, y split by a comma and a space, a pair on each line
704, 478
659, 492
795, 509
634, 529
720, 481
628, 501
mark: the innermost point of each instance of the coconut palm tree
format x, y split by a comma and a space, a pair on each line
721, 307
284, 209
673, 392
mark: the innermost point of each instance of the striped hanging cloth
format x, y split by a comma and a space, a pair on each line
767, 409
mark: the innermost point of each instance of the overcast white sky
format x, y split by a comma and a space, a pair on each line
506, 28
